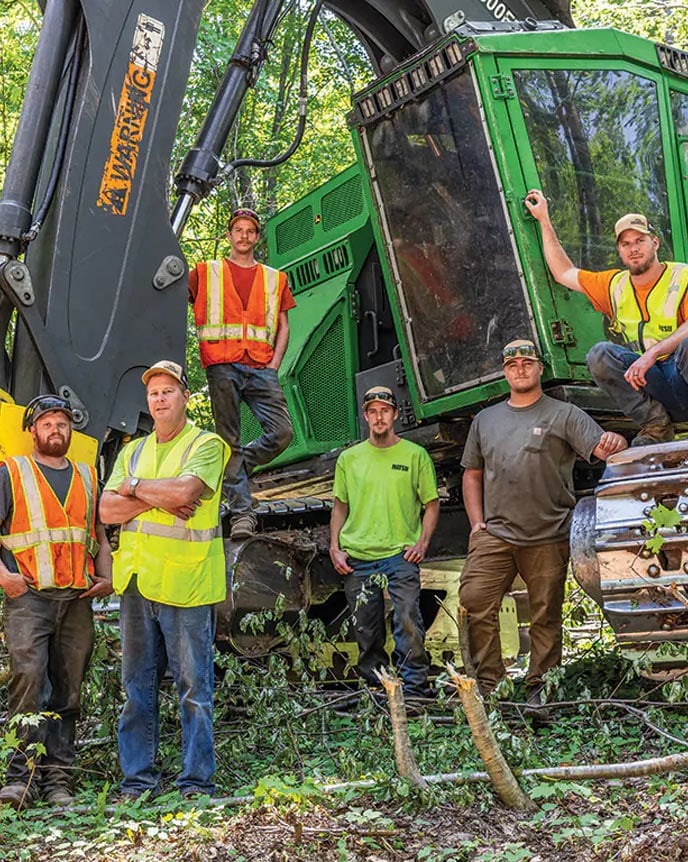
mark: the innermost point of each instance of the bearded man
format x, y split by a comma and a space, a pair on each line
54, 559
645, 370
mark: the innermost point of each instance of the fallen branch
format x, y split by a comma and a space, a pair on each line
634, 769
508, 789
597, 772
403, 753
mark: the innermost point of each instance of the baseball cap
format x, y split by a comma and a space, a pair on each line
521, 348
45, 404
244, 213
379, 393
633, 221
166, 366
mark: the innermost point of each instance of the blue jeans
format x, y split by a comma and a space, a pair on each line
366, 603
229, 384
49, 640
155, 636
665, 397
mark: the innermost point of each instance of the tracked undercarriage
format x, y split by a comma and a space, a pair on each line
642, 590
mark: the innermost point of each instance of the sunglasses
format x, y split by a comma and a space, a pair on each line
379, 396
527, 351
44, 404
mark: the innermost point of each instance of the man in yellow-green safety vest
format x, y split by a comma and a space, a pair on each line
170, 572
645, 369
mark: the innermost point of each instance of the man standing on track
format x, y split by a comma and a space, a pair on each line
241, 309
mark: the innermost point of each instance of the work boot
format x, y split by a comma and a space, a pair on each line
131, 797
243, 526
535, 708
651, 434
16, 795
59, 795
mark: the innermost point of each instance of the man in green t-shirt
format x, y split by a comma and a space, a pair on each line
378, 539
518, 494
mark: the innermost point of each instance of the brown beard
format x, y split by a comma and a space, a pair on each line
640, 268
56, 448
383, 437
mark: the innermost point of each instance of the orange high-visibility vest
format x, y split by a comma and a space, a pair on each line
225, 328
53, 544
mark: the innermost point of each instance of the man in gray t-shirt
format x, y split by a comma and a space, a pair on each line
518, 493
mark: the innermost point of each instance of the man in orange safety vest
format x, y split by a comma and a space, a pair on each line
240, 307
54, 558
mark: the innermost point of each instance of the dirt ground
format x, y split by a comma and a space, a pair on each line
447, 833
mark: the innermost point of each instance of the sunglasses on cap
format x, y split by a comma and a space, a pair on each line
525, 351
44, 404
379, 396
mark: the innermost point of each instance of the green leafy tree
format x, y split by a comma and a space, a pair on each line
662, 20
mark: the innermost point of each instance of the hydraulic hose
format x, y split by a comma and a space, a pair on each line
63, 134
303, 107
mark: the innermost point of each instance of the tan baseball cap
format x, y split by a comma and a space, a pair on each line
166, 366
633, 221
520, 348
379, 393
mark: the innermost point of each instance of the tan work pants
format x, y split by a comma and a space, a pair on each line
489, 571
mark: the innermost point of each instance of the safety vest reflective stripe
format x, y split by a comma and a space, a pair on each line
32, 538
168, 531
215, 333
85, 473
663, 305
271, 304
34, 500
216, 293
20, 541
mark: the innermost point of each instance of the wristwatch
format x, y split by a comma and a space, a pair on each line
133, 484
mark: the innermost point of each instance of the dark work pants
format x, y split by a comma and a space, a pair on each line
50, 643
487, 576
665, 397
365, 596
229, 384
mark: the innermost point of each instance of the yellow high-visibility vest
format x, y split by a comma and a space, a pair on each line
663, 305
176, 562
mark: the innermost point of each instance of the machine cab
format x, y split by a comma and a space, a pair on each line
451, 143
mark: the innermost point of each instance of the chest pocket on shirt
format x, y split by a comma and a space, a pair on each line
536, 440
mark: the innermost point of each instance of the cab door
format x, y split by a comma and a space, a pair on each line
588, 132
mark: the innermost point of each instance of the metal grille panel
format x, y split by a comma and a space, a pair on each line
296, 230
343, 203
324, 387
